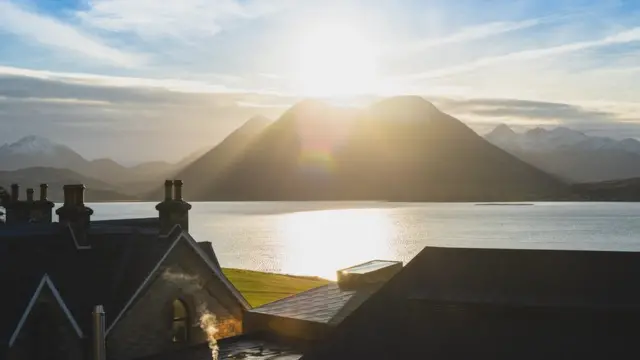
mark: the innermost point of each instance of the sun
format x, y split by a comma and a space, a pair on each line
334, 61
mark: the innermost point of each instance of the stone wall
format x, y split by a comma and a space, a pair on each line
147, 327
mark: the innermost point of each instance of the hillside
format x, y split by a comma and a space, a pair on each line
615, 190
400, 149
97, 191
207, 169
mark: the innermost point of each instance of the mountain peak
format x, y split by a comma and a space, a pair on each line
502, 130
406, 101
31, 144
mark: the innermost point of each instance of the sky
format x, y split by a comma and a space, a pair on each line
139, 80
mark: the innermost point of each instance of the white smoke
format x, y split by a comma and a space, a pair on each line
207, 321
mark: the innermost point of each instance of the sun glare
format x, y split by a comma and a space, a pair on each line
335, 61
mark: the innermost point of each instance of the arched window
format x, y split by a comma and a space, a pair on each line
180, 325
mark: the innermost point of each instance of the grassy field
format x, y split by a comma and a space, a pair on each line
260, 287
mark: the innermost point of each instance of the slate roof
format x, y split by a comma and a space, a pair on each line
326, 304
453, 303
109, 273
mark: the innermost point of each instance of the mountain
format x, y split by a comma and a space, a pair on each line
570, 154
399, 149
205, 170
614, 190
35, 151
97, 190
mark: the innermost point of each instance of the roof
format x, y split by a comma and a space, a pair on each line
456, 303
325, 304
123, 257
238, 347
108, 274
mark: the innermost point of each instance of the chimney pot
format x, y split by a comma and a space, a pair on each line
43, 192
15, 192
168, 190
178, 189
30, 195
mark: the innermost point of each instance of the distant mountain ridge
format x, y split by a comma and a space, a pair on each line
35, 151
399, 149
97, 191
570, 154
540, 139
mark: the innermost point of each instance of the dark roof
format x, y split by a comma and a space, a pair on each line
109, 273
326, 304
238, 347
456, 303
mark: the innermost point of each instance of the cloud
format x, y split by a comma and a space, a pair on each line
60, 36
612, 119
186, 19
624, 37
466, 34
148, 119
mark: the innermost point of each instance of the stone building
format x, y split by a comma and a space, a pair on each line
154, 282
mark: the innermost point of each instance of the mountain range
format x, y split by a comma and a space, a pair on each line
51, 162
570, 154
399, 149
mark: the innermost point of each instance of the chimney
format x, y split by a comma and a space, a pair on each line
30, 195
168, 190
15, 192
41, 210
177, 190
74, 212
173, 210
43, 192
16, 211
98, 348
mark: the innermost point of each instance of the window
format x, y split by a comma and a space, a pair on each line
180, 325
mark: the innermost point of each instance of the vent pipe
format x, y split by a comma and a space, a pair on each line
99, 351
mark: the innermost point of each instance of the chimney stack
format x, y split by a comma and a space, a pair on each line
30, 195
16, 211
98, 348
74, 212
173, 210
40, 211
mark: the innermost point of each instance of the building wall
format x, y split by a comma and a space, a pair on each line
146, 328
47, 334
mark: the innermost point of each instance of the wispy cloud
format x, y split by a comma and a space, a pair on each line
628, 36
57, 35
186, 19
470, 33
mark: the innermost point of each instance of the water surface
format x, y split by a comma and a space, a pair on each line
318, 238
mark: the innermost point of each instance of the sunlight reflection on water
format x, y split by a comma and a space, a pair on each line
321, 242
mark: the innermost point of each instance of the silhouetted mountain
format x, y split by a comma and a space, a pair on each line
570, 154
206, 170
56, 178
400, 149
